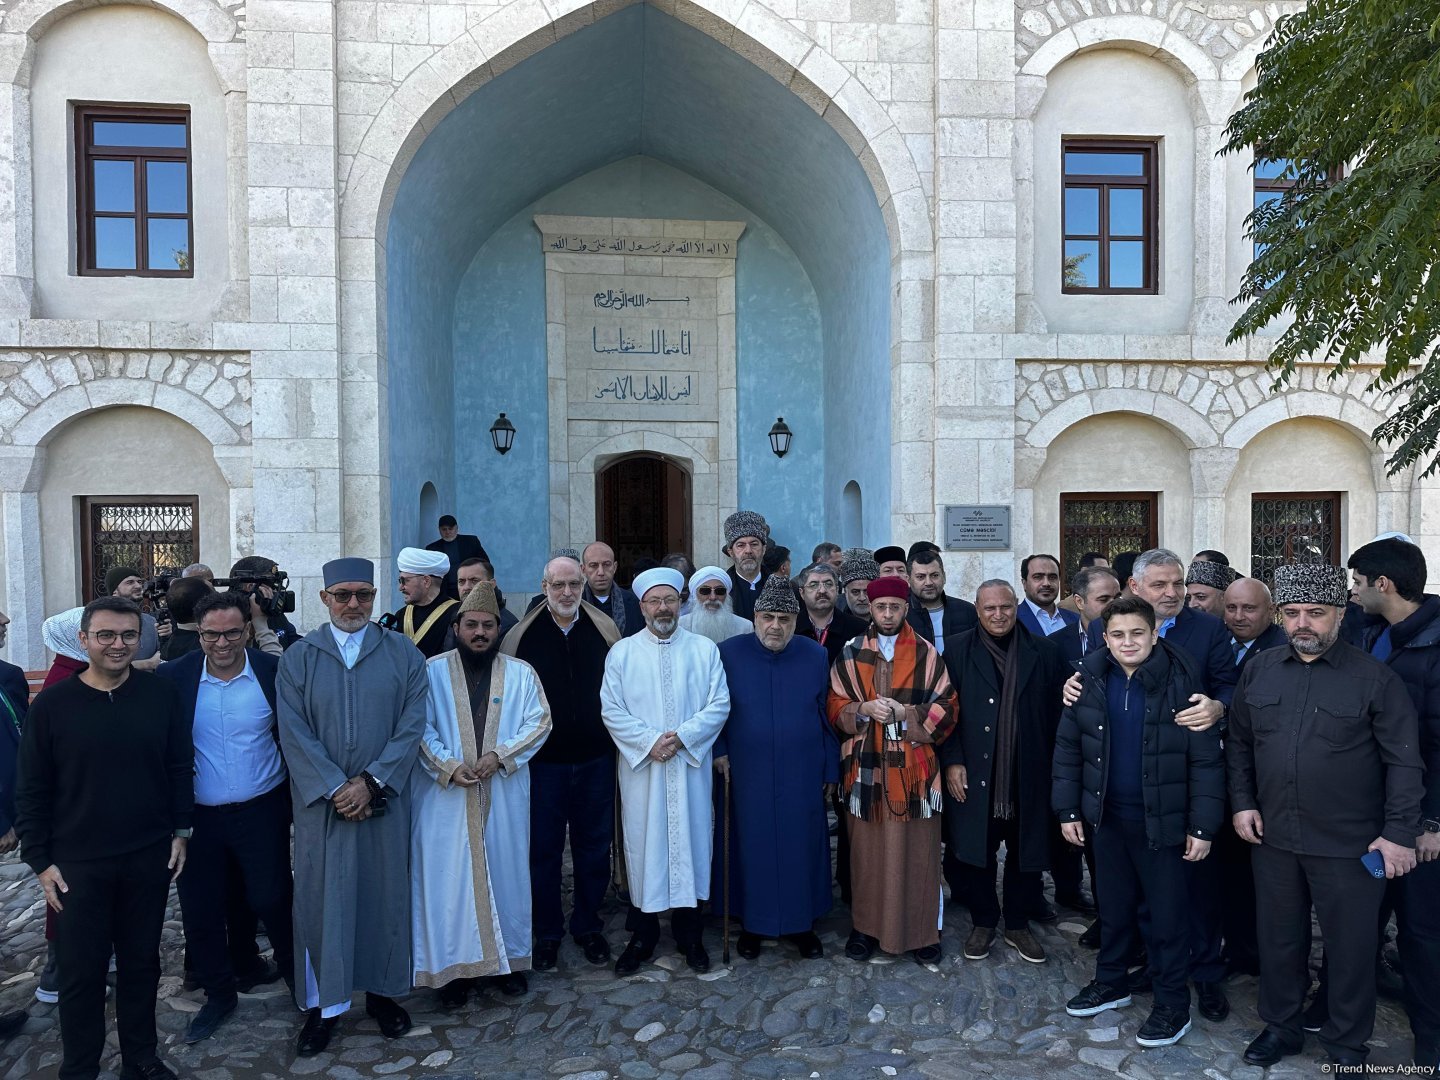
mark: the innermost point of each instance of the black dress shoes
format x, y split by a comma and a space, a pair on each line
1269, 1047
635, 954
315, 1035
1214, 1005
547, 951
1348, 1060
1091, 937
512, 985
454, 993
696, 958
154, 1069
393, 1020
1077, 902
597, 949
860, 947
928, 954
12, 1022
211, 1015
809, 945
748, 945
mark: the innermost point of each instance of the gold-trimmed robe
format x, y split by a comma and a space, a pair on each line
470, 847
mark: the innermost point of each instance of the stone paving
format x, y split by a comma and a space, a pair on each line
775, 1017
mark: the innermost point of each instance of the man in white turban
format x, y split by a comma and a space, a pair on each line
664, 701
711, 614
428, 612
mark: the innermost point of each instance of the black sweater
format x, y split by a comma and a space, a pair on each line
103, 774
571, 668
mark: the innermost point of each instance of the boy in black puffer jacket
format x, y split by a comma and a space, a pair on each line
1154, 793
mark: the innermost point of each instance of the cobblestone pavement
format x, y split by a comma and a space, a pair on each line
774, 1017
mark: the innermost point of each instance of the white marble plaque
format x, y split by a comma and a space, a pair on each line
640, 332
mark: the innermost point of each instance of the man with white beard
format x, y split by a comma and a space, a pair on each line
711, 614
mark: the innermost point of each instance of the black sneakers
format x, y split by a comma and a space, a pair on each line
1165, 1026
1096, 998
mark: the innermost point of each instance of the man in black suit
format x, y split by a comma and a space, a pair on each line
14, 704
930, 607
820, 620
457, 547
1250, 618
242, 801
1091, 589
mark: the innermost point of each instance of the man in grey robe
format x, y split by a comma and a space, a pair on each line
351, 705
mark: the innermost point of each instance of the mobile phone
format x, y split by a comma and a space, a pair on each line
1375, 863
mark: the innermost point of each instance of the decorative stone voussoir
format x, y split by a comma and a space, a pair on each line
41, 390
1201, 403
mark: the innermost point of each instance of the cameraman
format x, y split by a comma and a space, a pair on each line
128, 582
181, 599
273, 632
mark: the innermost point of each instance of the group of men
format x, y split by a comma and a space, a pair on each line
438, 762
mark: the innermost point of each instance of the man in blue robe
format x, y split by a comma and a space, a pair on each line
779, 752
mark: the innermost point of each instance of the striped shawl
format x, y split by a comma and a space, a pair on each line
891, 778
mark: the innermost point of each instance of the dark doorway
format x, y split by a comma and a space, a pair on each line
642, 509
152, 533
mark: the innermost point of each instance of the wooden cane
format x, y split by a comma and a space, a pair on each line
725, 950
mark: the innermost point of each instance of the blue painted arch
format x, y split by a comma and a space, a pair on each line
635, 115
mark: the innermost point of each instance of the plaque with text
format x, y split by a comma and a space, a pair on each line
977, 528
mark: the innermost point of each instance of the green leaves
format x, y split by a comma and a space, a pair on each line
1350, 258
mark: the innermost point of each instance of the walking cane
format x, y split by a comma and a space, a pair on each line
725, 875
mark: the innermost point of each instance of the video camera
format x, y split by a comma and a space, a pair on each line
154, 595
281, 600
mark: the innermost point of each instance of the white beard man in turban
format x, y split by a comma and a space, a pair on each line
712, 614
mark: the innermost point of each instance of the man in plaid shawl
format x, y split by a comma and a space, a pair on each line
891, 701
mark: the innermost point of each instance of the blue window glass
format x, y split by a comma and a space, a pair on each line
1082, 264
169, 240
1127, 264
132, 133
1082, 211
166, 187
1108, 163
115, 243
114, 186
1127, 212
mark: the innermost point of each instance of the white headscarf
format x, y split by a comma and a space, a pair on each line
708, 573
413, 560
61, 634
659, 575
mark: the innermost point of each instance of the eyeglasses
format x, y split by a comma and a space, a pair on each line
664, 602
816, 586
567, 586
210, 637
107, 637
717, 591
344, 596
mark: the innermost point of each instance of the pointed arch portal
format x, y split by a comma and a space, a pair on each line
637, 117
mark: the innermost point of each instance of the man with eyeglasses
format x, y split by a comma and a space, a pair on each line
104, 803
572, 776
820, 619
711, 615
351, 703
428, 613
664, 700
242, 807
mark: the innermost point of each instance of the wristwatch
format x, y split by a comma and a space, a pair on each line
183, 834
1430, 825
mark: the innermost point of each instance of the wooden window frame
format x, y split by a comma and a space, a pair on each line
1152, 523
86, 152
1148, 182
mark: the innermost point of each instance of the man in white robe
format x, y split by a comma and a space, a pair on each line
486, 716
664, 700
712, 613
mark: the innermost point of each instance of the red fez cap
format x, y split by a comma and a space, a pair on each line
897, 587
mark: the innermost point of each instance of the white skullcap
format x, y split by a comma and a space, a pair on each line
708, 573
660, 575
1393, 536
420, 561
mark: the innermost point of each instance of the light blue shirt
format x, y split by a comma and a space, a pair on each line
1049, 624
236, 756
349, 644
937, 621
1164, 627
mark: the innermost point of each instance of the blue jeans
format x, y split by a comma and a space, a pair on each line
582, 798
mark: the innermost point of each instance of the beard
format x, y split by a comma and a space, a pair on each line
715, 625
1309, 643
480, 653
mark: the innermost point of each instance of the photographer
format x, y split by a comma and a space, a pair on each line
180, 601
261, 578
127, 582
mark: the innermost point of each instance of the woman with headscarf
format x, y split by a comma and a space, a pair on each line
61, 634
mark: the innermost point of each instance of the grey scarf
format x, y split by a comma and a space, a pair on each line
1007, 667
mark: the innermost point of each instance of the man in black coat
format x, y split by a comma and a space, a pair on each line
457, 547
930, 607
746, 533
597, 563
997, 765
1389, 582
820, 620
1153, 792
240, 849
1250, 618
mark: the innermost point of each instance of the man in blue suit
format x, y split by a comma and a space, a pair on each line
1159, 578
242, 802
14, 704
1092, 588
1038, 612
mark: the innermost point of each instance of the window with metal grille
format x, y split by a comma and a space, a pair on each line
1299, 527
1109, 217
1110, 523
152, 533
132, 191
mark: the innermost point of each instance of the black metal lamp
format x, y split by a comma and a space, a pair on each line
780, 436
502, 434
